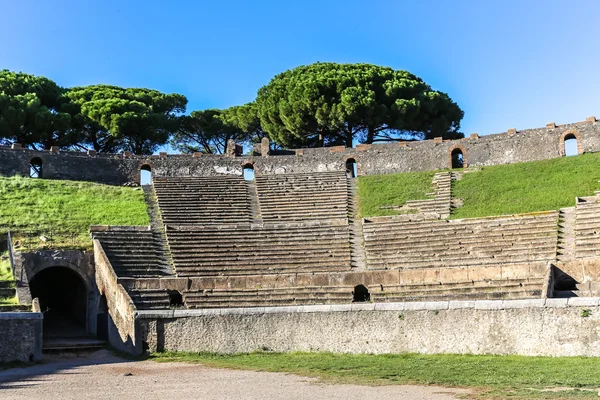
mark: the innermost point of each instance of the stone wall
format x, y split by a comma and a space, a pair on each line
548, 327
503, 148
121, 327
21, 334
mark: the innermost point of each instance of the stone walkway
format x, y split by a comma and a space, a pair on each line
101, 375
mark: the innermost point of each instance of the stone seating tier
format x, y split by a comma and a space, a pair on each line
587, 227
259, 249
134, 253
150, 299
293, 197
392, 244
203, 200
468, 290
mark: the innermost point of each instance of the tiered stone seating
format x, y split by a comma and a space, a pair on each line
293, 197
468, 290
259, 249
223, 298
392, 243
587, 227
150, 299
203, 200
134, 252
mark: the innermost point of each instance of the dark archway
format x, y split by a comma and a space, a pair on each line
145, 175
248, 172
36, 168
351, 168
63, 300
458, 158
361, 294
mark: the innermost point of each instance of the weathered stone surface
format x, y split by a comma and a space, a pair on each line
503, 148
21, 335
548, 331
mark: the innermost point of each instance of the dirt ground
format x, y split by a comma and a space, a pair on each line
102, 375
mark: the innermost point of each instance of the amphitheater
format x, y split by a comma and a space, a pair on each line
268, 251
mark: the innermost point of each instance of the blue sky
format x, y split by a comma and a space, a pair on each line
506, 63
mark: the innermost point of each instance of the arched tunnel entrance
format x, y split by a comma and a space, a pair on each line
63, 300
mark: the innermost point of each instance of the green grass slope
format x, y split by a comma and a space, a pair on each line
491, 377
65, 209
375, 191
526, 187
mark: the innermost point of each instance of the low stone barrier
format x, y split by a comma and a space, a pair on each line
21, 336
536, 327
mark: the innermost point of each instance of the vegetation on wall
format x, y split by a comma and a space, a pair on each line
527, 187
375, 191
58, 214
488, 191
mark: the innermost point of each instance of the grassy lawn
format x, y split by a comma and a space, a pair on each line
375, 191
525, 187
6, 275
62, 211
490, 377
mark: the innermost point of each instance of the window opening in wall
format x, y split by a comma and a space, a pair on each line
571, 146
35, 168
458, 160
351, 168
175, 298
248, 172
145, 175
361, 294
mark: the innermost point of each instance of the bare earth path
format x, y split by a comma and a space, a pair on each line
102, 375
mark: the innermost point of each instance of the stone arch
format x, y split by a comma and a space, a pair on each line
63, 298
457, 157
567, 135
80, 264
351, 167
145, 174
36, 168
248, 171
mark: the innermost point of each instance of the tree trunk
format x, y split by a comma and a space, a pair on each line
370, 135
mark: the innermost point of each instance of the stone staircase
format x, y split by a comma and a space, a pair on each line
134, 251
566, 235
247, 249
358, 257
203, 200
253, 200
303, 197
393, 243
440, 205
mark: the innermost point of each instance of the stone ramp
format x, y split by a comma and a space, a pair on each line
301, 197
